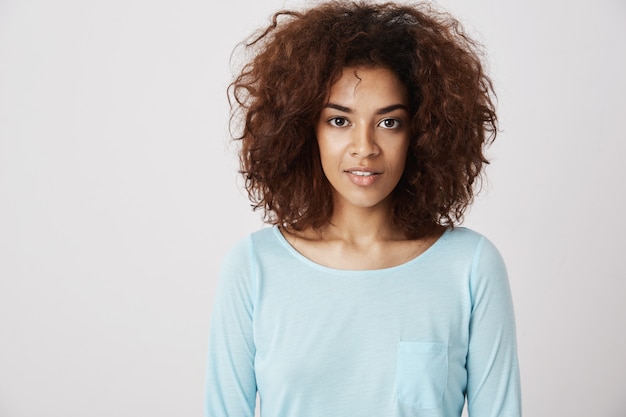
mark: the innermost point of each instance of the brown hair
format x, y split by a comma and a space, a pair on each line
280, 92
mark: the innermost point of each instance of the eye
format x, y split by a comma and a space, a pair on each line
339, 122
389, 123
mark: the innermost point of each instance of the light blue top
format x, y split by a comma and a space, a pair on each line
410, 340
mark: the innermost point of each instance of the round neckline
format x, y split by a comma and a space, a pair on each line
301, 258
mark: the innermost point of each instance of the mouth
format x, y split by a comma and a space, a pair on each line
362, 176
362, 173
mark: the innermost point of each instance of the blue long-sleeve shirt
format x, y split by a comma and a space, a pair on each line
411, 340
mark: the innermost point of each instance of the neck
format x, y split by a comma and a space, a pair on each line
362, 225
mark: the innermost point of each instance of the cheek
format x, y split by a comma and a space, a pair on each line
329, 149
400, 155
325, 156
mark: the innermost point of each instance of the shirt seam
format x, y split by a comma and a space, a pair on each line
475, 261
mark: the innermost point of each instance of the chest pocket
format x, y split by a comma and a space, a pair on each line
421, 374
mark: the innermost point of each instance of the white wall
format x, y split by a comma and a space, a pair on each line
119, 197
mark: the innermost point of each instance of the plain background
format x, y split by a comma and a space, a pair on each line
119, 197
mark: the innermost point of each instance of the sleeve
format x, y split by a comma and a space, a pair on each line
230, 378
493, 387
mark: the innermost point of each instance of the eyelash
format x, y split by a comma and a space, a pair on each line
333, 122
397, 123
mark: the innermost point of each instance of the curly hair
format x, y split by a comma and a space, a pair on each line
282, 89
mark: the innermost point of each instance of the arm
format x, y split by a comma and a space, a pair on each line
231, 383
493, 387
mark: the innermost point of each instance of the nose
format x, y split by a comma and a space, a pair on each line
364, 143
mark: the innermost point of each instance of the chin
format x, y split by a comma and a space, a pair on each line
365, 203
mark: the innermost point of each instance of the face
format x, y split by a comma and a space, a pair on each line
363, 136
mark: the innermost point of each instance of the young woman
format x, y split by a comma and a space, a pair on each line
363, 128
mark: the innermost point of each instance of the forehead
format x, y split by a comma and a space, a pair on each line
368, 83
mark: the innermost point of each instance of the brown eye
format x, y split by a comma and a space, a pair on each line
390, 123
338, 122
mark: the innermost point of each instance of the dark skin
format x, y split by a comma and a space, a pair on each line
363, 138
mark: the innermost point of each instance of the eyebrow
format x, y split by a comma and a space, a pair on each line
384, 110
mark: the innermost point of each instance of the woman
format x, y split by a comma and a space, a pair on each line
363, 135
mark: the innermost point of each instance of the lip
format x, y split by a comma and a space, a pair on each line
369, 170
362, 176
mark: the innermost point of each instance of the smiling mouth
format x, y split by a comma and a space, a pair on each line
363, 173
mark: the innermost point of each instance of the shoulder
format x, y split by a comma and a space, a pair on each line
486, 255
465, 241
239, 267
464, 234
486, 266
248, 247
473, 249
